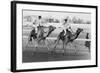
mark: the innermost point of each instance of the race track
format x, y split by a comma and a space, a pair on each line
41, 54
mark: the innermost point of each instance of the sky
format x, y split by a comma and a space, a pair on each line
58, 15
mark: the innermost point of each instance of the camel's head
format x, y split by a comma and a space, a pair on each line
52, 28
79, 30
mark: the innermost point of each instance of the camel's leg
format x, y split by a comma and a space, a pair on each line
46, 43
77, 47
74, 45
36, 44
55, 41
29, 41
56, 44
43, 42
64, 47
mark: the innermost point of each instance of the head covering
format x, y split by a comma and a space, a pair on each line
39, 17
66, 19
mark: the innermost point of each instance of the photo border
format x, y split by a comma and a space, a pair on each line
14, 31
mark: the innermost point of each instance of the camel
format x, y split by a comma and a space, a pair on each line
42, 34
69, 37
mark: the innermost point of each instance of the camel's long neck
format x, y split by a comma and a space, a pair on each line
76, 35
49, 32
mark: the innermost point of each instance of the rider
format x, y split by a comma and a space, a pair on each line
37, 23
66, 25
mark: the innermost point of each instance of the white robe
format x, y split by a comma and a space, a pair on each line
37, 23
65, 26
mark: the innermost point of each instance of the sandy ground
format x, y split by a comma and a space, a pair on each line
42, 54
